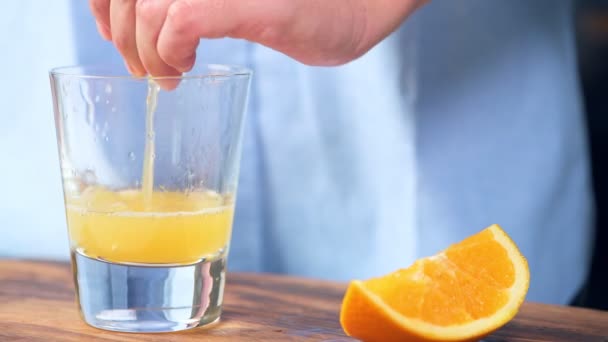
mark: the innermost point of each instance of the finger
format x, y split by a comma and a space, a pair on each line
265, 22
150, 16
101, 12
104, 31
186, 23
122, 24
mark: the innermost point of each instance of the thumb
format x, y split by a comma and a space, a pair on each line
188, 21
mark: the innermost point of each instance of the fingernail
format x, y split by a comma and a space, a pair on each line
140, 73
187, 65
129, 68
104, 31
168, 84
134, 71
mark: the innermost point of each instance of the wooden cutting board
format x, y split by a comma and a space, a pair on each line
37, 304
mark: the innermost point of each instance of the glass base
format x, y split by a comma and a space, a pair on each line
149, 298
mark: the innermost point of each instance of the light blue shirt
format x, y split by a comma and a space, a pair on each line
35, 35
468, 115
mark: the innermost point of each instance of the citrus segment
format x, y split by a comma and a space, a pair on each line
461, 294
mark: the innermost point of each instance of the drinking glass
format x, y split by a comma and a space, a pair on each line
149, 178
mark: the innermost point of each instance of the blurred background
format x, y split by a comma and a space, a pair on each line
592, 34
592, 38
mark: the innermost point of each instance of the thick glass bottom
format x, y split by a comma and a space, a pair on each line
149, 298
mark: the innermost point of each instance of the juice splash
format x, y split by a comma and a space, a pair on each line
169, 228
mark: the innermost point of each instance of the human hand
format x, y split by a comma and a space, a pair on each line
160, 37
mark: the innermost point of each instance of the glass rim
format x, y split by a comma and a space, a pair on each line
210, 71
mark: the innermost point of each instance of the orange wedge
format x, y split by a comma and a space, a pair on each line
461, 294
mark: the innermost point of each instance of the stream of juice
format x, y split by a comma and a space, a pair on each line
147, 176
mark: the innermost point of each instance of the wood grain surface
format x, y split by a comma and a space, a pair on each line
37, 304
